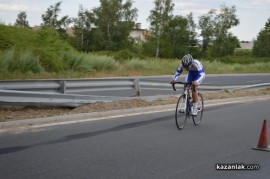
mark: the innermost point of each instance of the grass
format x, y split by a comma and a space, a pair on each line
91, 65
42, 54
223, 68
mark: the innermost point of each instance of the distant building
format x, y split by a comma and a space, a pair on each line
246, 45
138, 34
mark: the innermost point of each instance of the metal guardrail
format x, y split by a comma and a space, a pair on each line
27, 98
59, 92
69, 86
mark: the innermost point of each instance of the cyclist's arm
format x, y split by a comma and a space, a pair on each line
178, 72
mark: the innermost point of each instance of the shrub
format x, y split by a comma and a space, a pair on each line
73, 61
6, 59
124, 55
99, 63
50, 61
137, 64
25, 62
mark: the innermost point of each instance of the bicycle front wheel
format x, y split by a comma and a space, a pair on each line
197, 119
180, 112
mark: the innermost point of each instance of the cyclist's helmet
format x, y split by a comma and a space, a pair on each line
187, 60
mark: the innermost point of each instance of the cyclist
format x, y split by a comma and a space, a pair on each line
195, 76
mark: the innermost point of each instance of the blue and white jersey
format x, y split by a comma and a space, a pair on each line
196, 72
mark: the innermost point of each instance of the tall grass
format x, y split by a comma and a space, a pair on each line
154, 66
100, 63
24, 62
217, 67
5, 59
26, 65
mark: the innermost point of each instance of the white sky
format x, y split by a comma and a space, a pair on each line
253, 14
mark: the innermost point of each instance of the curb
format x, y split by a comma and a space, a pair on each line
85, 117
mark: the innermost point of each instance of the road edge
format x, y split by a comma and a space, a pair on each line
86, 117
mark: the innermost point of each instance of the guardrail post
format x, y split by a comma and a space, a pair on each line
137, 87
63, 87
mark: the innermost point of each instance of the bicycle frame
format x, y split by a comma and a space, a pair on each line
187, 100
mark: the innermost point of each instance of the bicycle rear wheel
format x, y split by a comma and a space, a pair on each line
180, 112
197, 119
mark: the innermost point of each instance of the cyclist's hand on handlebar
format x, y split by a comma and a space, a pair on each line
172, 82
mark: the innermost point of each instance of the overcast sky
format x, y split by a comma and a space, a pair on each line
253, 14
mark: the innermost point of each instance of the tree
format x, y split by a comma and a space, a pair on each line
50, 19
192, 29
225, 42
206, 24
159, 18
21, 20
114, 21
262, 43
177, 34
214, 29
82, 29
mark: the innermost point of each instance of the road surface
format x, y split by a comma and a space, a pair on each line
143, 146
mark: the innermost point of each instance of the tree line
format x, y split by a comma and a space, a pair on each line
107, 28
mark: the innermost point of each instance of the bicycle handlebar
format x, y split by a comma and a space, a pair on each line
184, 83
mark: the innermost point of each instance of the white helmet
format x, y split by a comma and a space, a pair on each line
187, 60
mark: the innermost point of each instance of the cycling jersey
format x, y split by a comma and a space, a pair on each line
196, 72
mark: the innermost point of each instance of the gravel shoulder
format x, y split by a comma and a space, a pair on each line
20, 113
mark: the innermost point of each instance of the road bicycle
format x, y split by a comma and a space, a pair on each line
184, 105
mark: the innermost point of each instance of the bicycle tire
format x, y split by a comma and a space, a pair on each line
180, 117
197, 119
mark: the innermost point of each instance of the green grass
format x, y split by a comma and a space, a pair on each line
42, 54
223, 68
103, 66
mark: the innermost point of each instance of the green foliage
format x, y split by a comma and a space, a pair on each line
21, 20
224, 45
114, 20
239, 59
100, 63
45, 44
73, 61
124, 55
13, 36
262, 44
243, 53
217, 67
48, 45
215, 31
149, 48
25, 62
153, 66
177, 36
5, 59
50, 19
137, 64
159, 17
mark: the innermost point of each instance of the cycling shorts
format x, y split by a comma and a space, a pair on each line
195, 76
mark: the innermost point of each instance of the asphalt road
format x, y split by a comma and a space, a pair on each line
144, 146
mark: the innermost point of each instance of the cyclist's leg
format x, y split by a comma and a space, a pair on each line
190, 78
199, 78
